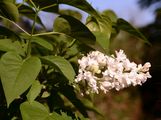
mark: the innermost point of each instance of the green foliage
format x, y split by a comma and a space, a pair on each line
17, 74
101, 28
42, 42
34, 91
38, 67
76, 29
125, 26
81, 4
49, 6
9, 10
28, 12
62, 65
7, 45
7, 33
37, 111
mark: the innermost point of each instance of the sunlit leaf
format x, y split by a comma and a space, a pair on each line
44, 43
102, 29
34, 111
110, 14
62, 25
101, 38
17, 74
62, 65
34, 91
9, 10
12, 1
37, 111
7, 45
73, 13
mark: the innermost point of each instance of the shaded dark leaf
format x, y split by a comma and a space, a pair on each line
77, 30
68, 92
125, 26
48, 6
8, 33
29, 13
81, 4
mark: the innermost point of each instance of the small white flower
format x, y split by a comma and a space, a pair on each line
120, 56
99, 72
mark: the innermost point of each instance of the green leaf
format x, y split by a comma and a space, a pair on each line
110, 14
61, 25
12, 1
33, 111
125, 26
102, 29
37, 111
69, 93
48, 6
81, 4
30, 13
17, 74
8, 45
70, 12
77, 29
9, 10
90, 106
42, 42
62, 65
34, 91
101, 38
63, 116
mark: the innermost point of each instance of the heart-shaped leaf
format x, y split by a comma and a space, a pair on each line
17, 74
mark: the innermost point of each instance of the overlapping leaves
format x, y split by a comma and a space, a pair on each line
17, 74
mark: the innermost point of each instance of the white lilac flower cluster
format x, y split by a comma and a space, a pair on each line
99, 72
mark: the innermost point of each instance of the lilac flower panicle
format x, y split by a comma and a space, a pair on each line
99, 72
